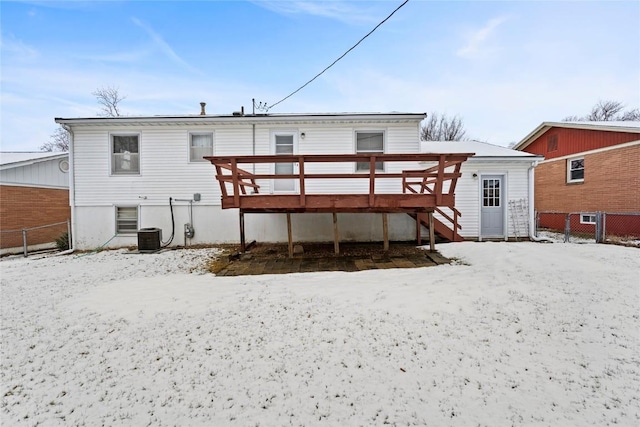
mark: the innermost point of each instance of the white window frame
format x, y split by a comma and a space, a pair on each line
569, 169
112, 172
588, 221
117, 219
190, 148
355, 148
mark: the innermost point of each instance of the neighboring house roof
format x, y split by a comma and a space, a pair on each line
626, 126
243, 118
14, 159
481, 150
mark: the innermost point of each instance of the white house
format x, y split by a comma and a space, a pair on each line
124, 170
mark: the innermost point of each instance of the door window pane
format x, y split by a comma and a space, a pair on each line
491, 192
284, 146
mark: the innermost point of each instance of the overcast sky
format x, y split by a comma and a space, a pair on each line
503, 66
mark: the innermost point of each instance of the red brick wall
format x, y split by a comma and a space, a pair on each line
25, 207
611, 183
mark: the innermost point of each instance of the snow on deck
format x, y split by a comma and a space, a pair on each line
512, 334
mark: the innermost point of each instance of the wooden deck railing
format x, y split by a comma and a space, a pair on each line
420, 190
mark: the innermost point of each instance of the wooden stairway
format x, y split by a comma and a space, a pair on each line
441, 229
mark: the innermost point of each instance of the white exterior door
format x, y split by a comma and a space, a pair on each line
285, 143
492, 206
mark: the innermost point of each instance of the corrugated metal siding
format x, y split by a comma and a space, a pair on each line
571, 141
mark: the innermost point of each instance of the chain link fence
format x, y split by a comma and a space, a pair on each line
33, 239
586, 227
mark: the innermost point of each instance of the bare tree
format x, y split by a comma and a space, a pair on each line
59, 141
441, 128
605, 111
630, 116
109, 99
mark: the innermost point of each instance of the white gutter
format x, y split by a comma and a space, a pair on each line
72, 187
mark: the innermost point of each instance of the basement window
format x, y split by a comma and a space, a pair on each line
369, 143
587, 218
200, 145
126, 219
575, 170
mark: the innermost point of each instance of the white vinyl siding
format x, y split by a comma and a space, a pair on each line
468, 193
166, 171
200, 145
45, 174
125, 154
126, 219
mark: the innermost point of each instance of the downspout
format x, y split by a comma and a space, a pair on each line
532, 210
72, 189
254, 144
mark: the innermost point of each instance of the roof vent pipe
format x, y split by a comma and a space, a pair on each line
202, 112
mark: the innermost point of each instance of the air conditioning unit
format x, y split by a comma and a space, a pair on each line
149, 239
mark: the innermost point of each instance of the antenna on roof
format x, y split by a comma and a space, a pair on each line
261, 106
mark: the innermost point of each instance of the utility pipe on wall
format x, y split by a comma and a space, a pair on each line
72, 186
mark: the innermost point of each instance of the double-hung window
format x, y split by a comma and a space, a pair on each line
125, 154
200, 145
126, 219
369, 143
575, 170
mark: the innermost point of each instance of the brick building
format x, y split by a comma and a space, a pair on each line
589, 167
34, 192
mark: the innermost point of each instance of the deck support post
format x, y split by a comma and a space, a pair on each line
432, 234
243, 246
289, 235
419, 229
385, 232
336, 245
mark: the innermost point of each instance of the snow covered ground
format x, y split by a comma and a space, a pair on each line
511, 334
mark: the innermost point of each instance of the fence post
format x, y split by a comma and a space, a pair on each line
567, 228
604, 227
69, 233
24, 242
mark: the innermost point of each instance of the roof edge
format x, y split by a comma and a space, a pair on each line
241, 118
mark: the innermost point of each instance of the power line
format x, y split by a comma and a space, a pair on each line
342, 56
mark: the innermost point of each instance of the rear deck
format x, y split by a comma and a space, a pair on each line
417, 192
